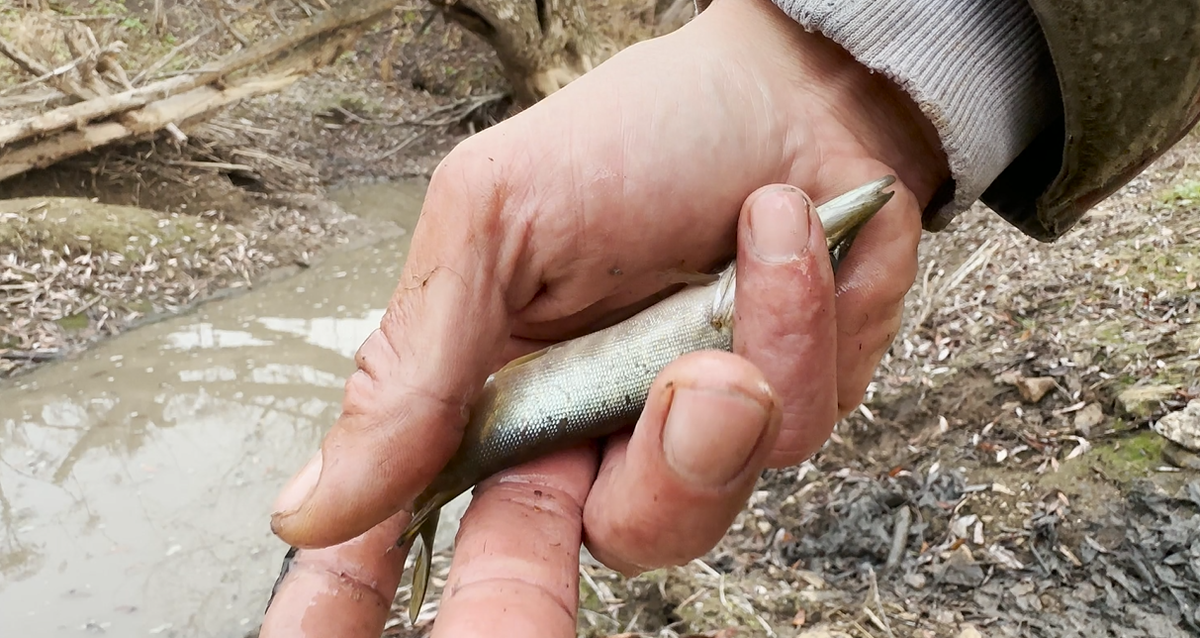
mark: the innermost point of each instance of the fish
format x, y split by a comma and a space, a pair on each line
597, 384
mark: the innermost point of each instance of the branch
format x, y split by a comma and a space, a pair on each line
149, 119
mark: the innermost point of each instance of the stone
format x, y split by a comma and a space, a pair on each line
1089, 417
1182, 427
1143, 400
969, 631
1032, 389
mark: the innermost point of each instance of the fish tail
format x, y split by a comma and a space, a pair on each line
420, 580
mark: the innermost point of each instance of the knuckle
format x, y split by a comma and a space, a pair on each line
347, 580
633, 544
471, 181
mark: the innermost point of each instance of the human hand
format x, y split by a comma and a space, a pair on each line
570, 216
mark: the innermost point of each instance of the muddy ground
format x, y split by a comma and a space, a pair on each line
1003, 478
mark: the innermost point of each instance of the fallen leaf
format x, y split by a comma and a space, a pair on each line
1083, 446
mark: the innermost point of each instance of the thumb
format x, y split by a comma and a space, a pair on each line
784, 315
405, 405
669, 493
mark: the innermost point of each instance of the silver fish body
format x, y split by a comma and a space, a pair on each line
595, 385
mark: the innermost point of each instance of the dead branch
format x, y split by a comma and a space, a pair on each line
62, 69
47, 138
237, 35
37, 69
27, 64
170, 55
67, 116
149, 119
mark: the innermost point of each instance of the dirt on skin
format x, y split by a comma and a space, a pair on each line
1001, 478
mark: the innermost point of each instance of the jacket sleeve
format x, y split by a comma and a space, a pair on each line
978, 69
1129, 72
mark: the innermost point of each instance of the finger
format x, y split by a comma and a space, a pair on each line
404, 407
872, 282
516, 558
669, 493
344, 591
785, 315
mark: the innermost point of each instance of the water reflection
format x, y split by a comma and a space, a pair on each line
135, 483
204, 335
342, 335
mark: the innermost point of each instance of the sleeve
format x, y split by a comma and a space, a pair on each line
980, 70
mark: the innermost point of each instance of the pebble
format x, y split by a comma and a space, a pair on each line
1182, 427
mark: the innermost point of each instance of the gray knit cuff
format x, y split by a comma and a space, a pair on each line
978, 69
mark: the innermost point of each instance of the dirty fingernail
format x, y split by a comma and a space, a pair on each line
297, 491
779, 225
711, 434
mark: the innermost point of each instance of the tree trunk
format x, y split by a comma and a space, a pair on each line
542, 44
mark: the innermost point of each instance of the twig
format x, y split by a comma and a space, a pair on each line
884, 624
170, 55
66, 68
899, 537
178, 108
27, 64
289, 56
220, 166
860, 628
229, 27
976, 261
37, 69
68, 116
401, 146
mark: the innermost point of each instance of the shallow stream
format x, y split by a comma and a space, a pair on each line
136, 480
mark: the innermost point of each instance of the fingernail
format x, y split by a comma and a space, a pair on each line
711, 434
297, 491
779, 225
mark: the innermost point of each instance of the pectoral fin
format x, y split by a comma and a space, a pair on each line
688, 277
420, 579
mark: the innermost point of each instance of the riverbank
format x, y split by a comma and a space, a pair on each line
111, 239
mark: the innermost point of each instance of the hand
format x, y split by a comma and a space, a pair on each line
570, 216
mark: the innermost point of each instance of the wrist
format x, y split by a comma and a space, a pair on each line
817, 79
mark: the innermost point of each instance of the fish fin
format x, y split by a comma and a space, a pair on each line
688, 277
420, 579
521, 360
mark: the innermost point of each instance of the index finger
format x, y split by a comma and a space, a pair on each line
344, 591
405, 406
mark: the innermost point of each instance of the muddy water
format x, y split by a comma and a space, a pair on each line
135, 483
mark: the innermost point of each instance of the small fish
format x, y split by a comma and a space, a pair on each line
595, 385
